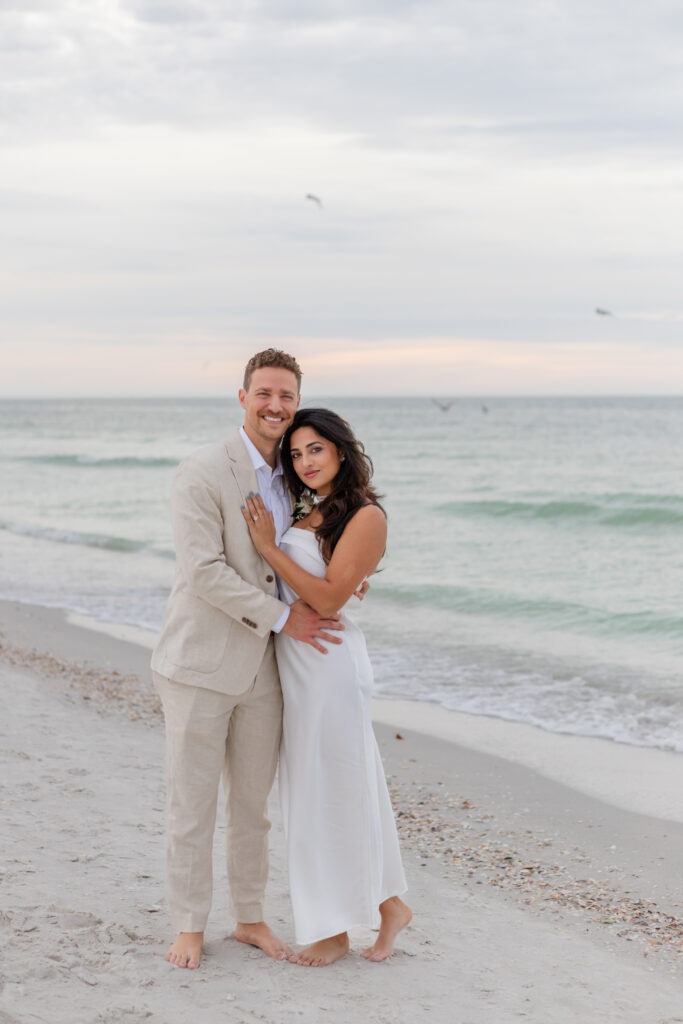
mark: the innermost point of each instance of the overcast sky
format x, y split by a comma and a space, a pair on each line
490, 173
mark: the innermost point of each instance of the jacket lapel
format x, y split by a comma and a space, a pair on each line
243, 470
241, 466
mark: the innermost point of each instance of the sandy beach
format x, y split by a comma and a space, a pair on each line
545, 871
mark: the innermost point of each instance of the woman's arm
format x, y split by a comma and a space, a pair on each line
356, 555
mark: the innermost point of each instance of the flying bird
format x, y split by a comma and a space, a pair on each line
444, 406
603, 312
315, 199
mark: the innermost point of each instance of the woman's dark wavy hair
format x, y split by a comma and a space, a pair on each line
351, 488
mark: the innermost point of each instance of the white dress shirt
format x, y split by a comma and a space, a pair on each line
271, 485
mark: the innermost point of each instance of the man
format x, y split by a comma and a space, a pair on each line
214, 664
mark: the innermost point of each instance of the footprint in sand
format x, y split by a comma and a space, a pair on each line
72, 919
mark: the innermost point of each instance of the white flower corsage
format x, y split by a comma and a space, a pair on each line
304, 505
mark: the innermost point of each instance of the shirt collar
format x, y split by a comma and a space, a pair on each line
257, 460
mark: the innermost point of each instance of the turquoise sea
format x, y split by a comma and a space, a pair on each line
534, 568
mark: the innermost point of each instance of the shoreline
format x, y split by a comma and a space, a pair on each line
644, 780
633, 784
538, 900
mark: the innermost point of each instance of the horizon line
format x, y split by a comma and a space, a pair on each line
426, 395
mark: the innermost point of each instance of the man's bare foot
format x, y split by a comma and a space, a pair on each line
260, 935
395, 916
186, 950
322, 953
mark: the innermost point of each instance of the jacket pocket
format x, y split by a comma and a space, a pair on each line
197, 634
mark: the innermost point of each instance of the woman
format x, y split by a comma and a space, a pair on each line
344, 862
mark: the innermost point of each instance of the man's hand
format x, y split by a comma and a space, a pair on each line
306, 625
362, 590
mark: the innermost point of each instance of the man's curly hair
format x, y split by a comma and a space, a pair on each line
272, 357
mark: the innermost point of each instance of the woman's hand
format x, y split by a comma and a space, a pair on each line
260, 523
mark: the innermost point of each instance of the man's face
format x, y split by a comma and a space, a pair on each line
270, 403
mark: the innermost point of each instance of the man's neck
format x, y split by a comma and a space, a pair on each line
268, 449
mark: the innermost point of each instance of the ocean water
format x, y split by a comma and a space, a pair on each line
534, 568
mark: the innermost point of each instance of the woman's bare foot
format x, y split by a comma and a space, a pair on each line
186, 950
260, 935
395, 916
322, 953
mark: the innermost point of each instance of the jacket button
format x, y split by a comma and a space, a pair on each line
269, 579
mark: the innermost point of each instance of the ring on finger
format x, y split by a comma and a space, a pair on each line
255, 518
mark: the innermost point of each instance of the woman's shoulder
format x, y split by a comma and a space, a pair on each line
371, 509
368, 517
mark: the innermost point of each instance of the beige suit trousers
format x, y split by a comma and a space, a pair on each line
209, 735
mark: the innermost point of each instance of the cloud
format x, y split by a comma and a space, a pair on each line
489, 172
400, 74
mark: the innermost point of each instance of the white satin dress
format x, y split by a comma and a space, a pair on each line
342, 845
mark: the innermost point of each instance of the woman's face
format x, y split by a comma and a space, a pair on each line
315, 459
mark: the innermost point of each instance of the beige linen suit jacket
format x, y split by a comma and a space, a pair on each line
223, 604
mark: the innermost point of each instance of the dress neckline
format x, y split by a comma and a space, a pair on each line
300, 531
